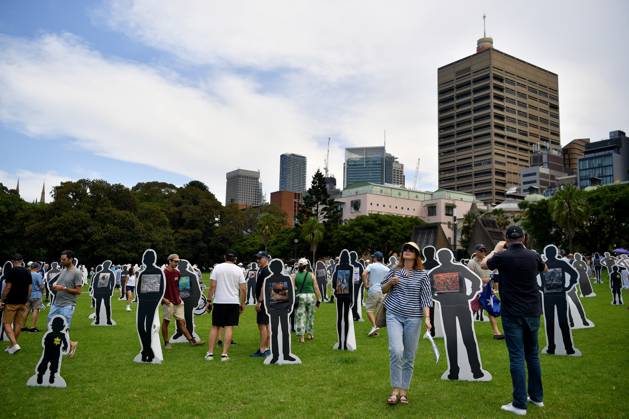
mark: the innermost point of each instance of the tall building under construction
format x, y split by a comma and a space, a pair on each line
495, 110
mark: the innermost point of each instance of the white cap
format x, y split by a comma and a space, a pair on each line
302, 262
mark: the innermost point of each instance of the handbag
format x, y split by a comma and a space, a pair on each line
296, 302
381, 315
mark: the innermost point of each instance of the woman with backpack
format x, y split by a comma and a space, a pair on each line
307, 297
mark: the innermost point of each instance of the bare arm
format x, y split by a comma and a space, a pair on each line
365, 278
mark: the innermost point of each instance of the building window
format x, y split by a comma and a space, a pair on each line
449, 210
432, 210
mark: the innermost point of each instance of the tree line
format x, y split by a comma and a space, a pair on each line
100, 221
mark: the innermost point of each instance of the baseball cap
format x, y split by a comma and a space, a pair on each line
479, 247
261, 254
377, 254
302, 262
35, 265
17, 256
514, 232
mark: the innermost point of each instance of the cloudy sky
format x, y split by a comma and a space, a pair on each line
139, 90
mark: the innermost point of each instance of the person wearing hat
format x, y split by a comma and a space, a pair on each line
35, 300
308, 297
521, 308
17, 289
373, 276
480, 251
262, 319
409, 299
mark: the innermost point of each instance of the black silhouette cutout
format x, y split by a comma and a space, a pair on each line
615, 281
279, 297
55, 344
584, 281
448, 281
357, 311
343, 284
102, 289
554, 289
321, 274
429, 263
150, 289
189, 292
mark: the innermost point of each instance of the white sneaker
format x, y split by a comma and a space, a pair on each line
128, 307
209, 356
13, 349
538, 404
373, 331
510, 408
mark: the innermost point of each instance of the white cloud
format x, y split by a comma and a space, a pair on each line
349, 70
31, 183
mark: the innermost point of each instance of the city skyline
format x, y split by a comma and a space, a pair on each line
172, 85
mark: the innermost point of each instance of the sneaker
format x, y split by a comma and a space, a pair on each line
538, 404
128, 307
168, 345
510, 408
13, 349
266, 353
224, 357
256, 354
373, 331
209, 356
499, 337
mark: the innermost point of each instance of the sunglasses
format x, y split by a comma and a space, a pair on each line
173, 260
409, 249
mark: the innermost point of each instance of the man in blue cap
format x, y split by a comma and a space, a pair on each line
372, 277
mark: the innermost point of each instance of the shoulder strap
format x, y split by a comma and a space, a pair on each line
303, 284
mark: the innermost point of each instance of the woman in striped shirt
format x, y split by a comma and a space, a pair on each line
408, 299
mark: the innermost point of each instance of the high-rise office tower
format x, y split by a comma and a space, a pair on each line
494, 111
292, 173
371, 164
572, 152
243, 188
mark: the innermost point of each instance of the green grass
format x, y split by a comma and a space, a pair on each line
103, 380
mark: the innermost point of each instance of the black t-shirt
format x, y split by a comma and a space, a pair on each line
20, 279
518, 268
616, 280
262, 274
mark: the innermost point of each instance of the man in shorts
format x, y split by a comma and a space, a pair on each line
35, 300
68, 288
262, 319
172, 304
226, 300
17, 289
372, 277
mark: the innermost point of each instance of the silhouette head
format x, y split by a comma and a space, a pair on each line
54, 265
353, 256
107, 265
392, 260
607, 254
149, 257
276, 266
429, 252
57, 324
578, 257
445, 256
6, 267
183, 265
615, 268
344, 257
550, 252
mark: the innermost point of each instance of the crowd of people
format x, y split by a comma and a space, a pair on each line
402, 288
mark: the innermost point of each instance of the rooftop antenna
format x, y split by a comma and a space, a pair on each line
484, 26
327, 159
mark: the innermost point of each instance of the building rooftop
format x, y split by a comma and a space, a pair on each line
399, 192
500, 52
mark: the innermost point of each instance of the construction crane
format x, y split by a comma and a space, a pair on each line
416, 174
327, 159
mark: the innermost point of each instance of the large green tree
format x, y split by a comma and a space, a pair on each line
568, 211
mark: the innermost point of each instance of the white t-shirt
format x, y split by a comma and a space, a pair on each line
131, 281
377, 272
228, 278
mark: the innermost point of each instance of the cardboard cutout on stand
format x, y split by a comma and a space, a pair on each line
189, 292
150, 289
615, 282
554, 285
102, 289
321, 275
454, 286
279, 297
51, 278
5, 270
357, 308
251, 275
584, 279
55, 343
343, 285
428, 252
393, 261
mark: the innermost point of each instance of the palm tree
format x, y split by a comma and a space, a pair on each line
312, 231
501, 218
267, 227
568, 211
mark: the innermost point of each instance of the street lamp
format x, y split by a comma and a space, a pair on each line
295, 241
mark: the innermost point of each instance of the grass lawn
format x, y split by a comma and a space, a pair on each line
103, 380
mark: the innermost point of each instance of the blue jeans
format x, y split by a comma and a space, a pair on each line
403, 339
521, 338
66, 312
